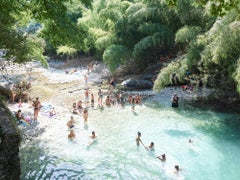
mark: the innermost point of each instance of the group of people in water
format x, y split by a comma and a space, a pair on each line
112, 99
81, 107
150, 147
71, 135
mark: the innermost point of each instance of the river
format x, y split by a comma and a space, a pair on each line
213, 154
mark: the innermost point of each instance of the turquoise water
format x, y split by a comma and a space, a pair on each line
214, 153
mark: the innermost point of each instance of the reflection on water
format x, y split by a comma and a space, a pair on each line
214, 153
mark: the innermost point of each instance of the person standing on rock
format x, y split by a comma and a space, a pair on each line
36, 106
90, 67
86, 79
174, 79
92, 100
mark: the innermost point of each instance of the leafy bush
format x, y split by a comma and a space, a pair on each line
177, 67
186, 34
115, 55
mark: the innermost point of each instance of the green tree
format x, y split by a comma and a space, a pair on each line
144, 27
58, 28
115, 55
215, 7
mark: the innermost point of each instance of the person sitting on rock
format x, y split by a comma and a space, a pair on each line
19, 115
52, 112
21, 119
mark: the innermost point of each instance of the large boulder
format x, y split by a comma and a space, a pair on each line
154, 68
130, 83
9, 146
137, 84
144, 84
5, 89
149, 76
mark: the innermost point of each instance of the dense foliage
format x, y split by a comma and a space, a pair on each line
203, 36
26, 26
212, 52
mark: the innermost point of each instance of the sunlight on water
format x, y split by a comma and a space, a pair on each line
214, 153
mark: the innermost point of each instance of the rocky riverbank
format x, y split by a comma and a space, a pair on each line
58, 88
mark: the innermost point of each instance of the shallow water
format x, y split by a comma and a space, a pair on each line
214, 153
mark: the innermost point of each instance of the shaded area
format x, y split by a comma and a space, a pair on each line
53, 166
9, 146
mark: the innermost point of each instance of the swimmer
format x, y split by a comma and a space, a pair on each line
138, 139
190, 141
71, 135
93, 136
71, 123
176, 169
151, 146
85, 114
162, 157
